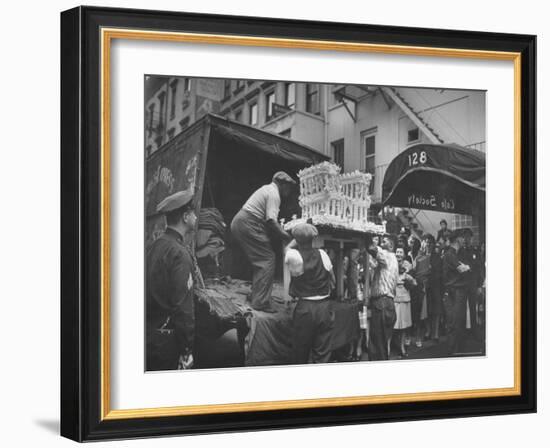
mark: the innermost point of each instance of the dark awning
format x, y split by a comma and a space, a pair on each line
258, 139
446, 178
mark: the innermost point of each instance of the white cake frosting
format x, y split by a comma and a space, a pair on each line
336, 200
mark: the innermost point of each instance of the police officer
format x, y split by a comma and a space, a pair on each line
468, 255
456, 281
170, 311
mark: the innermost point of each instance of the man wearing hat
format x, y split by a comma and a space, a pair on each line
469, 256
254, 227
311, 276
456, 281
443, 233
170, 310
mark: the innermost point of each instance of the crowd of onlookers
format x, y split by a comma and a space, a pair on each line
412, 286
439, 290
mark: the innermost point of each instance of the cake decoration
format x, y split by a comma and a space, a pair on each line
335, 200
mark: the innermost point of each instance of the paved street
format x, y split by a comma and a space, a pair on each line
436, 349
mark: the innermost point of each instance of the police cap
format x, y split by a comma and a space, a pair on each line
175, 201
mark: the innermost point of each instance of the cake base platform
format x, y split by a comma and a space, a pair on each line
340, 240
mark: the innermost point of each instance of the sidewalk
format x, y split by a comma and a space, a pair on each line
437, 349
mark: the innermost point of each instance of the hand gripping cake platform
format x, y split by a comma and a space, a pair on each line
335, 200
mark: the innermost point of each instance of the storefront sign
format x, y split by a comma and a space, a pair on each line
210, 88
445, 178
417, 158
431, 202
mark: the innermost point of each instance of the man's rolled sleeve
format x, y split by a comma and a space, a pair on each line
327, 263
272, 206
294, 262
381, 258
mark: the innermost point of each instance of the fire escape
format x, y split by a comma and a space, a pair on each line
350, 96
412, 114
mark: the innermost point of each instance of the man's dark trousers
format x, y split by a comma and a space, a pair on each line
473, 300
382, 320
312, 326
456, 318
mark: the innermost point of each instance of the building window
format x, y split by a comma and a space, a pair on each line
334, 98
312, 99
162, 98
151, 118
461, 221
173, 91
226, 89
158, 140
269, 101
368, 143
239, 86
370, 154
338, 152
413, 135
253, 114
171, 132
239, 115
370, 150
184, 123
467, 221
286, 133
187, 85
290, 95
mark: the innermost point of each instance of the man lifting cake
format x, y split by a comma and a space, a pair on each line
254, 227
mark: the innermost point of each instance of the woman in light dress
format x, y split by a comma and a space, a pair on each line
402, 299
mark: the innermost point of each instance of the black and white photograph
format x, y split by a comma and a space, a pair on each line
273, 224
290, 223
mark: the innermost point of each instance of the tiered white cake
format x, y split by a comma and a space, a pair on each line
333, 199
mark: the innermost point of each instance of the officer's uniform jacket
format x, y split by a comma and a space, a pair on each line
169, 288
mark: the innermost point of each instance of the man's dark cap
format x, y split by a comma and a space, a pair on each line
428, 237
456, 234
304, 233
282, 178
390, 236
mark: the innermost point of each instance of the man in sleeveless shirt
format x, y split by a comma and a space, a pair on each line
254, 227
456, 280
313, 319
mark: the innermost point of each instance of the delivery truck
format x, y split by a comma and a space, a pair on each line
224, 162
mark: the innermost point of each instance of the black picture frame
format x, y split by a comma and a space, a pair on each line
81, 210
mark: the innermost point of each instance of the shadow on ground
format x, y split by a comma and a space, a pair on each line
48, 425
